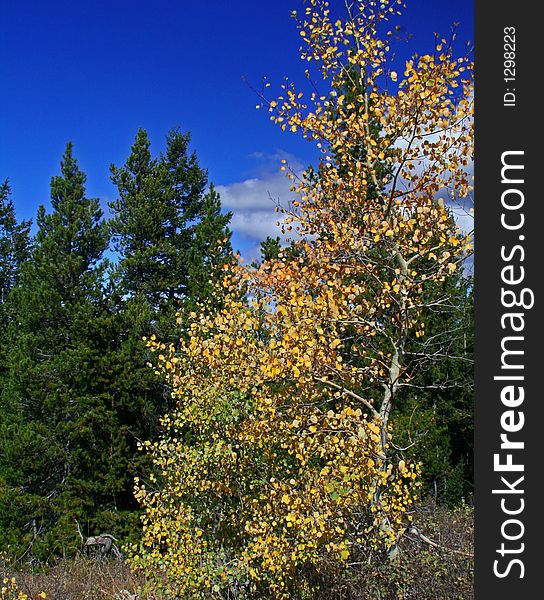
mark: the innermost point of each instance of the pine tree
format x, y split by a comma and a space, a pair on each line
14, 250
168, 230
172, 242
14, 244
63, 454
210, 250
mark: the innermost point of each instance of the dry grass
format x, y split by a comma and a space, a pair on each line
81, 578
420, 572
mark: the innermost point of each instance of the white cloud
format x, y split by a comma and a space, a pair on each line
463, 213
255, 225
253, 201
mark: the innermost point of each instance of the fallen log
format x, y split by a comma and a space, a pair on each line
103, 545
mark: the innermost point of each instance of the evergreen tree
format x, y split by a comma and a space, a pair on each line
272, 249
14, 250
210, 250
62, 453
169, 231
14, 245
172, 242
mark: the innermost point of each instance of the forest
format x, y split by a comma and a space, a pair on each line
297, 427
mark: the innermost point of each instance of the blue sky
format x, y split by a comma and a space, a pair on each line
94, 71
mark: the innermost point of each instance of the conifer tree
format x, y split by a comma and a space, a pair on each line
169, 231
62, 454
172, 242
14, 244
14, 250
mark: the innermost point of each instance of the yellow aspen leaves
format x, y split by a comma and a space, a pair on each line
278, 453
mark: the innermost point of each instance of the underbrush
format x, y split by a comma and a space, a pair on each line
437, 565
77, 578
